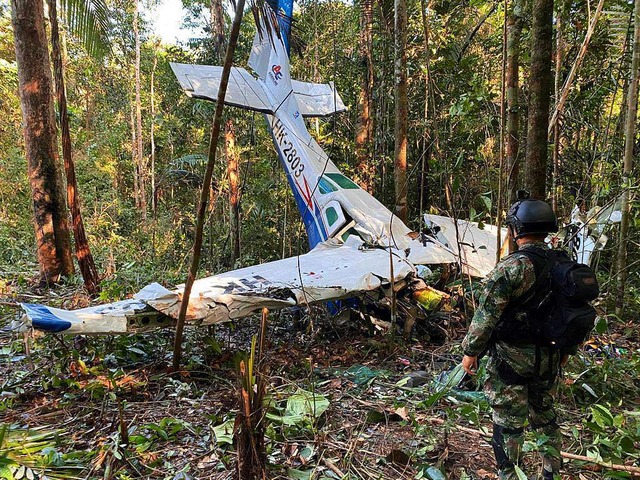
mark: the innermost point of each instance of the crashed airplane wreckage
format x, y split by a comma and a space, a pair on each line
358, 247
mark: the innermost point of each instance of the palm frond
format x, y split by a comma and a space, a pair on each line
191, 160
88, 20
620, 20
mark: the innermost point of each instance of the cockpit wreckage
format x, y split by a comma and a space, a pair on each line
358, 248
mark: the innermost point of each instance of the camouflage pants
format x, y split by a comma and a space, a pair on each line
512, 406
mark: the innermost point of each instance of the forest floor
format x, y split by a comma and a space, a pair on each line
337, 409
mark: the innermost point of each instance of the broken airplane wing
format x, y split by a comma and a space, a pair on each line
331, 271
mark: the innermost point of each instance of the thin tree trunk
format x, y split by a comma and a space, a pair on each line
219, 41
555, 179
426, 137
204, 193
140, 152
234, 193
134, 156
36, 99
514, 32
152, 130
364, 125
401, 108
475, 31
575, 67
503, 121
629, 141
540, 82
83, 252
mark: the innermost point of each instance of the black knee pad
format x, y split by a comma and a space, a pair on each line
497, 442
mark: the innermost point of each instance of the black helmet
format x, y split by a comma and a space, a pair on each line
528, 216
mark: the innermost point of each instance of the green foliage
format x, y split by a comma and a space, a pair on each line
302, 409
89, 21
29, 454
615, 436
149, 434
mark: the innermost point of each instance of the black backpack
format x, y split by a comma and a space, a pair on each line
556, 307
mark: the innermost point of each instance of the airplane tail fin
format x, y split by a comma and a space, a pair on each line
284, 12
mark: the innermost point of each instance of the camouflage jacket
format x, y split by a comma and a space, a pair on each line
511, 277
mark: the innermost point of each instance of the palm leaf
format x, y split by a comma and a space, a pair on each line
88, 20
191, 160
620, 20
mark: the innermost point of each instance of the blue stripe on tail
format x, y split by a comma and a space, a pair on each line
284, 10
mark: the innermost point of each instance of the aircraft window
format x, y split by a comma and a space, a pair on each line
342, 181
332, 215
348, 233
325, 186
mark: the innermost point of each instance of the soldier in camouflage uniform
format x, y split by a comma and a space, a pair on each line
521, 377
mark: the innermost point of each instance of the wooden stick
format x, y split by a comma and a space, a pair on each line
204, 193
10, 304
635, 471
334, 468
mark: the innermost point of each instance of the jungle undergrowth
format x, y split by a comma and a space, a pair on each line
80, 391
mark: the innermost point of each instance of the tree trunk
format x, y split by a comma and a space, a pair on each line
139, 150
219, 41
364, 126
540, 82
217, 29
134, 155
234, 194
503, 120
36, 99
514, 31
560, 19
629, 141
83, 253
401, 108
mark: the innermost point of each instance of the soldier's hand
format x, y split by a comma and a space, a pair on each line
470, 364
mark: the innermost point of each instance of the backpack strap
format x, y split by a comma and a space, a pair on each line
541, 276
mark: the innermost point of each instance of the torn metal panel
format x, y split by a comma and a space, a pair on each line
426, 250
584, 235
317, 99
329, 272
477, 246
119, 317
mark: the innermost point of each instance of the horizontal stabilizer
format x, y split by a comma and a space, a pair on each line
244, 91
203, 81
